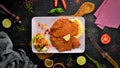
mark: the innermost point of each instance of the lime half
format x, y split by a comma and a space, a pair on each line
81, 60
6, 23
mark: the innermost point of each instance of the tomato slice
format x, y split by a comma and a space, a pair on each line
105, 39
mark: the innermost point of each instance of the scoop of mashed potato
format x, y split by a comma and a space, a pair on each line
80, 27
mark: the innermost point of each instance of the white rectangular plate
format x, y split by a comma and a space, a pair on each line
50, 21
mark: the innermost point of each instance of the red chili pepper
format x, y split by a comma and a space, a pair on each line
55, 3
64, 4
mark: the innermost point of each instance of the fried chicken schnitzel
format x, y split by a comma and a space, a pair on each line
60, 28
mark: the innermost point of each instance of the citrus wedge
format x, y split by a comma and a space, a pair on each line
48, 63
67, 37
6, 23
81, 60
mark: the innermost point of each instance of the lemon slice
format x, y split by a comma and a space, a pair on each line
81, 60
6, 23
48, 63
67, 37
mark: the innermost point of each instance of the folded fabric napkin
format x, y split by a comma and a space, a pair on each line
10, 58
108, 14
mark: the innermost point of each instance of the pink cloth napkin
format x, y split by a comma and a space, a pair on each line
108, 14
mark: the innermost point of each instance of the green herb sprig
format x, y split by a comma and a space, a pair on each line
29, 7
18, 28
98, 64
69, 59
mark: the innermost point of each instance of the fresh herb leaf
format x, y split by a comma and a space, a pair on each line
59, 10
87, 30
52, 11
69, 59
98, 64
29, 7
18, 28
56, 10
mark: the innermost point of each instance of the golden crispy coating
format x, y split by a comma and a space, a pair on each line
63, 27
75, 42
60, 28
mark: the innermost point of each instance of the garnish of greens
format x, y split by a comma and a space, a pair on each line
18, 28
29, 7
87, 30
69, 61
56, 10
98, 64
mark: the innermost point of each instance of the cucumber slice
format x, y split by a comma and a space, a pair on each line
6, 23
81, 60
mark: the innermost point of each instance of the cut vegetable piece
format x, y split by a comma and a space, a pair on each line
48, 63
105, 39
6, 23
81, 60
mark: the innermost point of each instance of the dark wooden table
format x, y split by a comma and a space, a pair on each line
41, 8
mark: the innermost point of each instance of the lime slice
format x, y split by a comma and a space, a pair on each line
81, 60
6, 23
48, 63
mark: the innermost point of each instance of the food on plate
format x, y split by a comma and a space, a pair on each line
81, 60
105, 39
42, 26
80, 27
64, 26
66, 37
48, 63
62, 34
40, 42
6, 23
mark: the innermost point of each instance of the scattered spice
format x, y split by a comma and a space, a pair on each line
98, 64
43, 27
77, 1
46, 31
